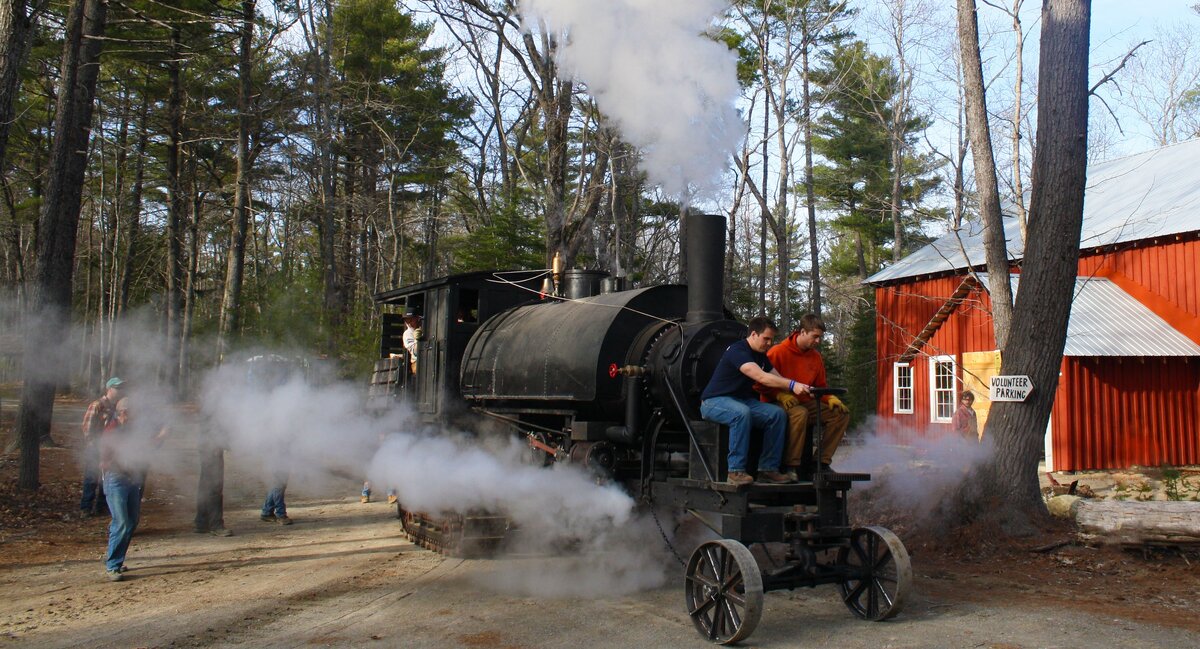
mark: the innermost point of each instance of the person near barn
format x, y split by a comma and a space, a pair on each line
965, 422
730, 399
796, 357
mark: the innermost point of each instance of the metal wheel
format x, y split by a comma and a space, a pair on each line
724, 591
879, 573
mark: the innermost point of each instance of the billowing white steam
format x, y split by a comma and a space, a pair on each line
913, 474
668, 87
321, 434
313, 432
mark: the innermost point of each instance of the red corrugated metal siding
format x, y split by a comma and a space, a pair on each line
903, 312
1112, 413
1164, 275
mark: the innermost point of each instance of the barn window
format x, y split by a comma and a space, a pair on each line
941, 389
902, 388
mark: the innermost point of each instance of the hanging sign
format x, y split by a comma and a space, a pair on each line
1009, 388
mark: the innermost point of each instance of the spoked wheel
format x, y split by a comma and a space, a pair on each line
724, 591
879, 573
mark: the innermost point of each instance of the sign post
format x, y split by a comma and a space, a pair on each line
1009, 388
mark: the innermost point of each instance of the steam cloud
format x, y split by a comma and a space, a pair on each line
589, 539
916, 476
669, 88
605, 547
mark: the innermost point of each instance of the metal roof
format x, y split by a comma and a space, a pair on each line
1107, 321
1135, 197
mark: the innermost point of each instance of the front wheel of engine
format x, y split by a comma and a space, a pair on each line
724, 591
878, 573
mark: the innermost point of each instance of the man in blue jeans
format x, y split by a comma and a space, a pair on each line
730, 399
122, 466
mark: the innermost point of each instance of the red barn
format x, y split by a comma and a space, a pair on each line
1129, 388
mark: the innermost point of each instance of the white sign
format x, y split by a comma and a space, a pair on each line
1009, 388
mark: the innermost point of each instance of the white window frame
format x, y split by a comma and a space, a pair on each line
897, 389
934, 390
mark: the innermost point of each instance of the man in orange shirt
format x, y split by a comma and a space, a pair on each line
797, 358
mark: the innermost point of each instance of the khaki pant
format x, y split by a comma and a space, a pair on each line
833, 426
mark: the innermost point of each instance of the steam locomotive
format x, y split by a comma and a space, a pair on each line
611, 379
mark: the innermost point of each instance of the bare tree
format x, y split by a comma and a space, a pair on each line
979, 135
1163, 84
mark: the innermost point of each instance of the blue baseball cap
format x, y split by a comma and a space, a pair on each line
114, 382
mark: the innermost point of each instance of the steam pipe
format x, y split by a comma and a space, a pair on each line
706, 267
631, 431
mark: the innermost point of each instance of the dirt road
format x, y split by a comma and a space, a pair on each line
342, 576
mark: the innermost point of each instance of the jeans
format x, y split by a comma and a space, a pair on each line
274, 504
125, 503
93, 491
742, 415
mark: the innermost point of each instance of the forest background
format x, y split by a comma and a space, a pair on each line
256, 170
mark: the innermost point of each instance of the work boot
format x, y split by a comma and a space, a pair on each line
267, 518
366, 496
220, 531
774, 477
114, 575
739, 478
284, 520
391, 499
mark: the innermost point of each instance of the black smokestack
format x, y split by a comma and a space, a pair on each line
705, 267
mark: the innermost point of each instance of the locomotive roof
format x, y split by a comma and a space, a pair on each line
476, 278
1136, 197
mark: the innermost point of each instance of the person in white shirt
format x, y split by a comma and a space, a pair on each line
412, 326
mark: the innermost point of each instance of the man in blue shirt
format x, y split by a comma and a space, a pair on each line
730, 399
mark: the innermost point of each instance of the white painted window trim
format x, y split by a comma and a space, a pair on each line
896, 388
934, 361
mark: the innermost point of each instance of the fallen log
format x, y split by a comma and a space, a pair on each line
1125, 522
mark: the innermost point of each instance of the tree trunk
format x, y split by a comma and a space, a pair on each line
897, 171
15, 28
980, 137
762, 198
175, 207
192, 277
231, 300
1018, 85
134, 227
327, 225
1039, 327
810, 196
46, 358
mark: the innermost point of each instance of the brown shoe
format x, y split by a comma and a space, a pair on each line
773, 477
739, 478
